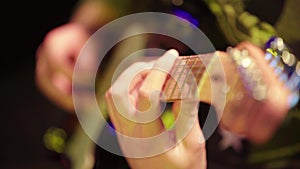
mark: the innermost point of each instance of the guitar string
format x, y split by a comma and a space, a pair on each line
180, 75
196, 64
190, 74
167, 88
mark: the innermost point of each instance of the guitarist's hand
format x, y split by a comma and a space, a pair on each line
257, 120
128, 102
57, 54
56, 58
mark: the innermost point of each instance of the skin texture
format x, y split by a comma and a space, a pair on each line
57, 55
188, 153
56, 58
265, 117
256, 121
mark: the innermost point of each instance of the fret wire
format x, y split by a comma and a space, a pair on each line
198, 72
184, 81
198, 64
189, 73
191, 66
166, 90
177, 80
196, 67
170, 80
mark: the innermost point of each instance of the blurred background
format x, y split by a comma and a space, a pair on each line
25, 113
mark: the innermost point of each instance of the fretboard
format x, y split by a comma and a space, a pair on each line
187, 78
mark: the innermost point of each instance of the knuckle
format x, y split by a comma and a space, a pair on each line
115, 93
143, 93
244, 44
140, 65
259, 137
225, 124
108, 94
50, 38
112, 95
226, 121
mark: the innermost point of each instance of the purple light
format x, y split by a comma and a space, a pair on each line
111, 128
185, 15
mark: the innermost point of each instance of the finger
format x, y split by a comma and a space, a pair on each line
122, 96
257, 54
45, 83
62, 47
237, 115
267, 120
121, 123
125, 84
149, 93
153, 83
137, 81
124, 124
111, 110
274, 108
59, 62
194, 140
57, 79
187, 128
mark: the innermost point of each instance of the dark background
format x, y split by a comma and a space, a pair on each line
25, 112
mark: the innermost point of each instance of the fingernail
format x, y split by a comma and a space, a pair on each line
173, 52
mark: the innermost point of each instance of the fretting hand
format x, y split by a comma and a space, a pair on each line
133, 104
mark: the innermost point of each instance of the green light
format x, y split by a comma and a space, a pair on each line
55, 139
168, 119
274, 53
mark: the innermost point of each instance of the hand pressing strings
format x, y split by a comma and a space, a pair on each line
134, 108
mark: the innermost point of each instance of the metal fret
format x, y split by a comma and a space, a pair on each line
187, 77
184, 77
168, 86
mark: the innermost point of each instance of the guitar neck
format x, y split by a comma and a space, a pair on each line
189, 78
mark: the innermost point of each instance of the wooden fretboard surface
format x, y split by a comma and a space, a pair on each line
185, 77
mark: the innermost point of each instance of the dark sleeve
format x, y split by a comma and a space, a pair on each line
105, 159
